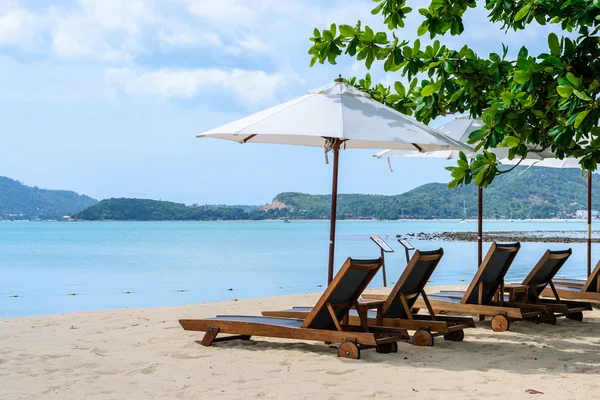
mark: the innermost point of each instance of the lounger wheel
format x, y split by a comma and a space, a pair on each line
500, 323
349, 349
576, 316
387, 348
456, 336
422, 337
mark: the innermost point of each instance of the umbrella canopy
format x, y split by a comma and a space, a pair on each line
460, 129
335, 111
549, 162
335, 116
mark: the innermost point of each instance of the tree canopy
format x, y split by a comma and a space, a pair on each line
536, 101
18, 201
531, 193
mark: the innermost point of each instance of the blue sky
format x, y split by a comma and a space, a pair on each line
105, 97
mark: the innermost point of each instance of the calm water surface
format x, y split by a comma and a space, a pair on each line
44, 262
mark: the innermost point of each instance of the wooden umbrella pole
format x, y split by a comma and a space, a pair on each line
589, 240
334, 190
479, 225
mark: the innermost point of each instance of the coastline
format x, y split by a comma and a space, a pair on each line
468, 220
144, 353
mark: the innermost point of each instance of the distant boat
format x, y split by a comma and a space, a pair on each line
287, 220
464, 220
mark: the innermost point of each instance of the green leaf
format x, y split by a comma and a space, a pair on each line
573, 79
476, 135
392, 98
448, 67
480, 176
428, 90
370, 58
582, 95
553, 43
522, 13
456, 95
399, 87
512, 141
564, 91
538, 113
522, 77
597, 3
347, 30
423, 28
580, 117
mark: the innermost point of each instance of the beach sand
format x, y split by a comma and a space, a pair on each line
145, 354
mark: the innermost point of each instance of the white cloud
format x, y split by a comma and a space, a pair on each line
107, 30
249, 86
253, 44
237, 12
182, 37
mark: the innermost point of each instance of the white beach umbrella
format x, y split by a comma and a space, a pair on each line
336, 116
460, 129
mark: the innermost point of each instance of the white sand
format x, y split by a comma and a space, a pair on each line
144, 353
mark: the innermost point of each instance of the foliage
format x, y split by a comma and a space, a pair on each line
155, 210
528, 193
536, 101
18, 201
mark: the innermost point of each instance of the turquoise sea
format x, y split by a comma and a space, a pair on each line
43, 263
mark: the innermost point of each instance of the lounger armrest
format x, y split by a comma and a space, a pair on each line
514, 289
374, 296
370, 304
515, 286
366, 305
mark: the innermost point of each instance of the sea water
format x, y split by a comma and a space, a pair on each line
57, 267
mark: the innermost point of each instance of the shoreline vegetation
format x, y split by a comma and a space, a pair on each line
535, 193
527, 194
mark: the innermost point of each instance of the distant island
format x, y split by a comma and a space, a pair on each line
526, 193
19, 202
521, 194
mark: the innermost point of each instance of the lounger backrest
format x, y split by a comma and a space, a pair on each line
411, 282
345, 288
491, 272
545, 270
593, 282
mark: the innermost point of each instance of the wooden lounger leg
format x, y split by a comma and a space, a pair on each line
210, 336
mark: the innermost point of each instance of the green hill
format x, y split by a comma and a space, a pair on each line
522, 193
154, 210
18, 201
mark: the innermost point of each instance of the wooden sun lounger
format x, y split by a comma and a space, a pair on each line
575, 289
591, 284
394, 310
541, 277
480, 296
328, 321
